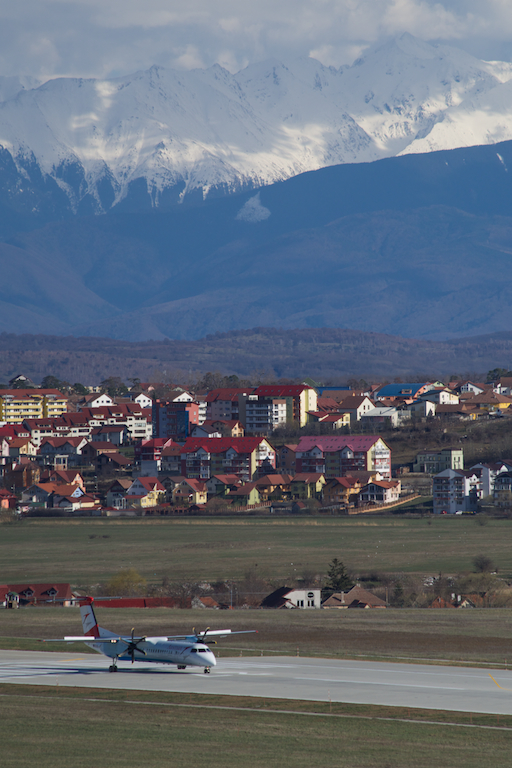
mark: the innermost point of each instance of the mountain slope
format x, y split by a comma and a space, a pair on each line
158, 137
418, 245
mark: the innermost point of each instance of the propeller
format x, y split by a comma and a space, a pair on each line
133, 646
201, 636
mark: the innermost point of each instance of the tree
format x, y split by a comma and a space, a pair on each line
51, 382
114, 386
127, 583
398, 595
482, 564
79, 389
337, 578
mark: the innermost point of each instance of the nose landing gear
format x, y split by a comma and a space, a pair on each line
207, 670
113, 667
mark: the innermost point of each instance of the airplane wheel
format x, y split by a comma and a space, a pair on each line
113, 668
181, 666
207, 670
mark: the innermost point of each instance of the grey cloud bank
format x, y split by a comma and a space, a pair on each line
89, 38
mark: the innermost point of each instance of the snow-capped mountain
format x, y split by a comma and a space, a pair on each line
162, 134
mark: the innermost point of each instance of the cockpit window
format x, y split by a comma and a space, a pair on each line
193, 650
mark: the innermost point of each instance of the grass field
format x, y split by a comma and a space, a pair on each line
89, 551
54, 728
478, 636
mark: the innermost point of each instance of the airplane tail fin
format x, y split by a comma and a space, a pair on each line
89, 622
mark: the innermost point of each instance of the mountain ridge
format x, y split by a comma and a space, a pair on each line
159, 136
259, 354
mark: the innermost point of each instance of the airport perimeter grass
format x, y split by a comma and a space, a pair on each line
56, 728
478, 636
90, 551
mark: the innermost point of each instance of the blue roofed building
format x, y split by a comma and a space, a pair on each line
404, 391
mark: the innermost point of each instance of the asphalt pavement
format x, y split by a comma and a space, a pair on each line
358, 682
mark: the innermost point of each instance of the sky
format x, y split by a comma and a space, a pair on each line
108, 38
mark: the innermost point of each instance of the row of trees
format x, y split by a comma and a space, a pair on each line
398, 590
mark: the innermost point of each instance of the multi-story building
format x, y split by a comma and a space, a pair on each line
431, 462
264, 414
299, 400
174, 418
456, 490
489, 473
338, 456
246, 457
222, 403
136, 419
16, 405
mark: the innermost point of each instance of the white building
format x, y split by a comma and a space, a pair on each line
456, 490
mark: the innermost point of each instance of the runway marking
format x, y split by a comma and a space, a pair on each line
271, 711
499, 686
369, 682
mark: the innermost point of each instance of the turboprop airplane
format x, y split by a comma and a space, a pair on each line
182, 650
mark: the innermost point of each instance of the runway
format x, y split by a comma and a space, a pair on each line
356, 682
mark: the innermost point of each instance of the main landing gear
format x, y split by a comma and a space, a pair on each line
181, 666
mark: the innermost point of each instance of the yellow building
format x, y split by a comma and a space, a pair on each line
145, 492
16, 405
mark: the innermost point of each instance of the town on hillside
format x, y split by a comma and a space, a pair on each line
282, 448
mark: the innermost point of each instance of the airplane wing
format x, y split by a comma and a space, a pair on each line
82, 639
216, 632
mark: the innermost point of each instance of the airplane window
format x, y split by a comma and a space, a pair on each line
193, 650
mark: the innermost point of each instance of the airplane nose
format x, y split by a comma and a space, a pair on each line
212, 659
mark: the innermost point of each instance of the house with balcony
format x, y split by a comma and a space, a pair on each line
263, 414
307, 485
342, 491
117, 492
174, 418
275, 486
381, 492
278, 402
456, 490
433, 462
285, 458
356, 406
489, 472
190, 491
338, 456
16, 405
246, 495
223, 403
145, 492
222, 485
246, 457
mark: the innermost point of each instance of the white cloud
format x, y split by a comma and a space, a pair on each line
46, 38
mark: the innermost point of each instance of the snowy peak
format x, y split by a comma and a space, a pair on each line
168, 133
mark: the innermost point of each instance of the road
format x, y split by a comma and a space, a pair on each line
358, 682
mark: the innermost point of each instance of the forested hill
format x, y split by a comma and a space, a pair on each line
259, 354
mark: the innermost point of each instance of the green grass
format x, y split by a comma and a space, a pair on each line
463, 636
88, 551
60, 727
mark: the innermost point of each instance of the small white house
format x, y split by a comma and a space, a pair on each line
284, 597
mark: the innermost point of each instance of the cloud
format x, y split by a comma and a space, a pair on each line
47, 38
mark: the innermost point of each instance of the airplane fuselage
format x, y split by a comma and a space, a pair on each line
159, 650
